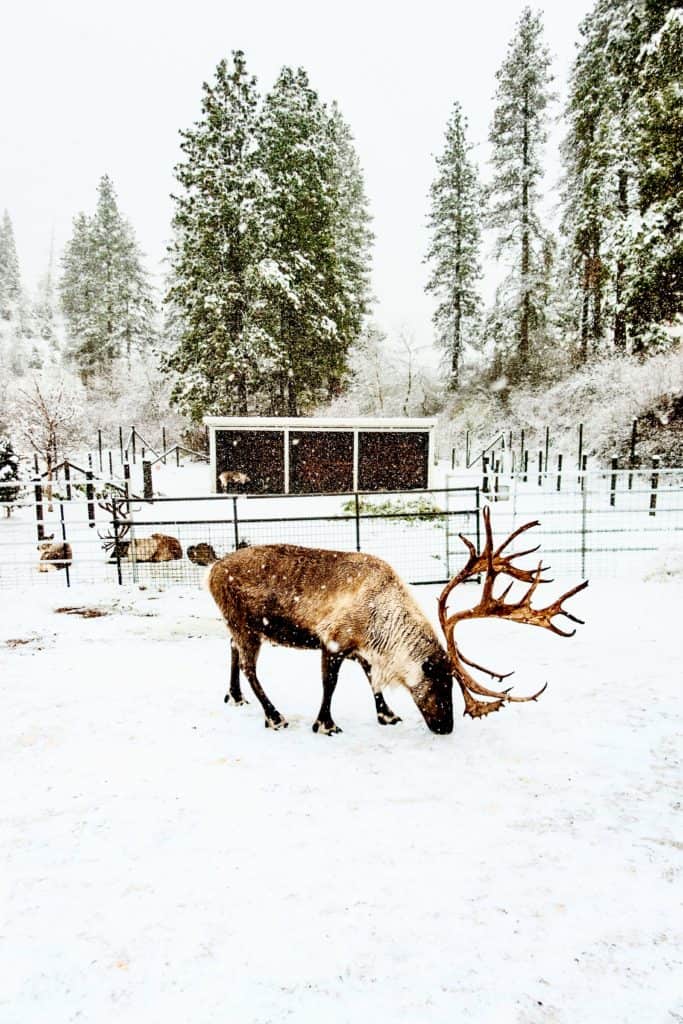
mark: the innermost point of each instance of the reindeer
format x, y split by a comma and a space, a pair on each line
352, 605
54, 555
159, 547
234, 477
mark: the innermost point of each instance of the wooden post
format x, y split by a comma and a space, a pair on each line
654, 483
235, 522
177, 455
147, 479
484, 477
540, 469
584, 463
90, 495
121, 443
452, 458
163, 444
521, 449
126, 473
38, 494
547, 446
99, 446
632, 455
526, 466
580, 446
111, 464
132, 443
67, 479
467, 449
559, 472
613, 483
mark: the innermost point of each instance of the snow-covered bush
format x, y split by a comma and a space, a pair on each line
606, 396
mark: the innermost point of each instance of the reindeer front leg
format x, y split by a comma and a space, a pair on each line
385, 716
234, 694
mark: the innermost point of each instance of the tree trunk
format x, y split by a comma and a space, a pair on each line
619, 312
525, 318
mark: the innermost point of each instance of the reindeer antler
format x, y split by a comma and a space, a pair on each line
493, 563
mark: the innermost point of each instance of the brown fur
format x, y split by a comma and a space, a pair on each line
228, 477
348, 604
54, 556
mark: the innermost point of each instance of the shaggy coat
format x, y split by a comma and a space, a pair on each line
347, 604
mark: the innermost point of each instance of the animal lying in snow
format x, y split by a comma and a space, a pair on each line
54, 555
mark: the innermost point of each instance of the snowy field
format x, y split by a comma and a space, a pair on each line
166, 858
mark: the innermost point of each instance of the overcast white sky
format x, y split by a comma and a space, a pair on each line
91, 88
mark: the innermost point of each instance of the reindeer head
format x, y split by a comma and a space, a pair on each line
493, 564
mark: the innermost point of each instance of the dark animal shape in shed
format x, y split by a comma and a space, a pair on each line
229, 479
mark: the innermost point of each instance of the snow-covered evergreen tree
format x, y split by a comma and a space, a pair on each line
9, 474
218, 243
45, 304
317, 240
655, 293
455, 219
517, 135
10, 280
105, 296
622, 195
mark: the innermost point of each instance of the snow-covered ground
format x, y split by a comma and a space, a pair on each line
166, 858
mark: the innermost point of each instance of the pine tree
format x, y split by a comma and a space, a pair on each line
353, 238
297, 156
455, 247
104, 292
9, 473
314, 278
44, 307
10, 280
216, 250
655, 295
517, 135
624, 128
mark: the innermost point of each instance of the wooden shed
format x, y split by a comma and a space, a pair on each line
321, 456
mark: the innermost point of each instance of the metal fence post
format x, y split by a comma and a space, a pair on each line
38, 495
235, 522
115, 527
559, 472
357, 507
147, 479
90, 495
67, 567
67, 479
613, 483
654, 483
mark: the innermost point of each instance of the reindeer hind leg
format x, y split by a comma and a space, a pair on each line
331, 665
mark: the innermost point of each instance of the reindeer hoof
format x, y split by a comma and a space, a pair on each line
326, 728
276, 723
229, 699
388, 719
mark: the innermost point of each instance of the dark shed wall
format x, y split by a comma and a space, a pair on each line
258, 453
320, 461
393, 461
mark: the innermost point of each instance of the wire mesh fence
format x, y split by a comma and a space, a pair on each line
600, 523
156, 542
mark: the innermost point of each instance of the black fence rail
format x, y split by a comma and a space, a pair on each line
154, 542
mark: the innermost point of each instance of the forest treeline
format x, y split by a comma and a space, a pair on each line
266, 302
